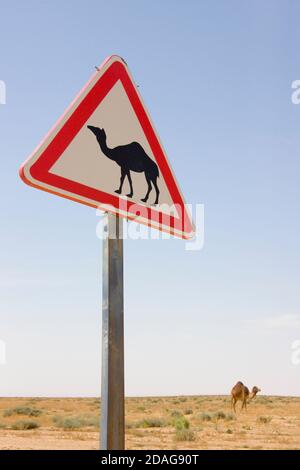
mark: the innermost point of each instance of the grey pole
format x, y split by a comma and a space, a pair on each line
112, 429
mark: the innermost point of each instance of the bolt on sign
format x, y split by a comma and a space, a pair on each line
104, 152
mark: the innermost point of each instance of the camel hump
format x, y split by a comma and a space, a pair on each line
137, 145
238, 385
135, 148
238, 388
142, 161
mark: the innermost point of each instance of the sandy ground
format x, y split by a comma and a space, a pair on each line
199, 422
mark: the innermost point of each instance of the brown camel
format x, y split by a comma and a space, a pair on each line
241, 392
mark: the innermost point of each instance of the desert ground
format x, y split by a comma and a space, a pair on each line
194, 422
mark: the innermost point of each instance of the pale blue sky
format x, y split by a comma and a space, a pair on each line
216, 77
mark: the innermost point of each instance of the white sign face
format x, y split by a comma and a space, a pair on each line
104, 152
85, 162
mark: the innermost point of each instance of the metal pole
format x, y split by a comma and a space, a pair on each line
112, 388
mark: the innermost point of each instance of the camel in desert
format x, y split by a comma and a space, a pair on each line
241, 392
129, 157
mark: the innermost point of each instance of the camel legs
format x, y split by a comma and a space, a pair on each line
123, 174
156, 189
130, 184
145, 199
150, 179
233, 402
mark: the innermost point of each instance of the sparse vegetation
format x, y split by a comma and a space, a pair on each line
188, 411
264, 419
262, 400
216, 416
185, 435
73, 423
176, 414
141, 408
151, 423
25, 425
130, 425
230, 417
181, 423
206, 416
219, 415
76, 422
21, 410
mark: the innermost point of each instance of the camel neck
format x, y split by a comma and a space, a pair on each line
107, 151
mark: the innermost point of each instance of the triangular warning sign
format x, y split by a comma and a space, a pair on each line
104, 152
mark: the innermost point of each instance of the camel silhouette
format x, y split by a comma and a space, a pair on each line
130, 157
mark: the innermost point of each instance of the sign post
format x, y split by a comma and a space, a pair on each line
112, 429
